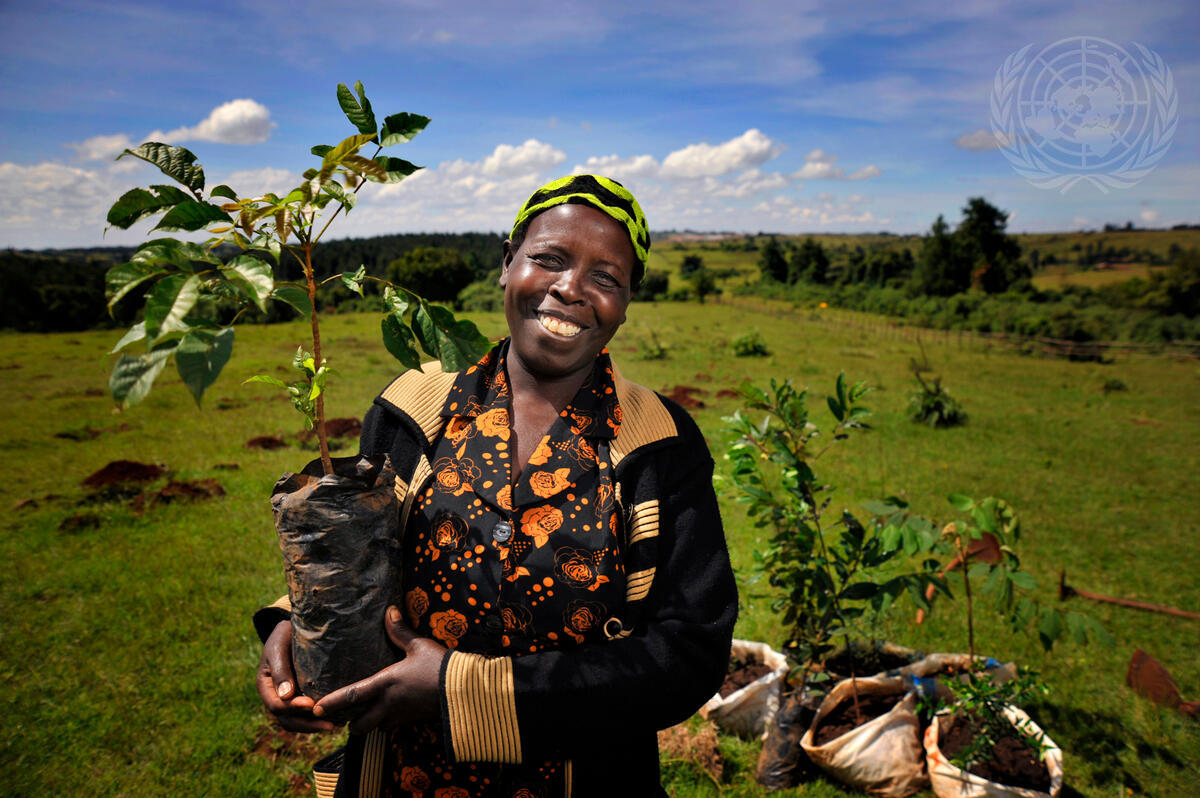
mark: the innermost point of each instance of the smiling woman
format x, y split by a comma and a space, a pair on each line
567, 590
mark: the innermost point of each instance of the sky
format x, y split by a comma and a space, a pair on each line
789, 117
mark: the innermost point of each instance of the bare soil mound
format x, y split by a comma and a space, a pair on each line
79, 522
727, 393
265, 442
120, 472
683, 395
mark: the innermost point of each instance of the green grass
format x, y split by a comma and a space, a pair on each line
127, 652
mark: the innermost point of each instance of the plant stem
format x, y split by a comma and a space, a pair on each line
962, 554
326, 461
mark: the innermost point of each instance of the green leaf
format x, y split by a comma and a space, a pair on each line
263, 378
398, 301
168, 302
1050, 628
839, 412
295, 296
396, 168
457, 344
961, 502
398, 340
200, 357
132, 377
180, 254
321, 150
123, 278
138, 203
357, 111
354, 281
402, 127
136, 333
1022, 580
192, 215
177, 163
860, 591
979, 569
841, 389
253, 277
879, 508
224, 191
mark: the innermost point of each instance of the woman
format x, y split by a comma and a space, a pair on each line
567, 590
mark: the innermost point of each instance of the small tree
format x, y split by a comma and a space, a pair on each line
827, 569
941, 270
771, 262
703, 283
690, 265
808, 262
188, 286
994, 257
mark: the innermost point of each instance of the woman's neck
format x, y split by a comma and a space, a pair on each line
537, 402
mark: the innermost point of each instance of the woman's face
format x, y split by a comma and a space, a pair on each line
566, 289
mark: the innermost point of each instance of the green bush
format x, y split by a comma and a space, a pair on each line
933, 405
750, 345
482, 295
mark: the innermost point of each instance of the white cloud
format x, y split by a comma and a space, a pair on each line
750, 149
102, 148
982, 140
819, 165
256, 182
47, 204
746, 184
241, 121
531, 157
618, 168
1149, 216
865, 173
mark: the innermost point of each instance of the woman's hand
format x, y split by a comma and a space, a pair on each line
404, 693
276, 684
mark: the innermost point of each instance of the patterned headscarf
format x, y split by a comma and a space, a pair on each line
602, 193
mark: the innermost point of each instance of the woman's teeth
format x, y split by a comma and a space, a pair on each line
558, 326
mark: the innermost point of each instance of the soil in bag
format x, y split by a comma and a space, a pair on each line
1014, 763
742, 673
341, 557
846, 716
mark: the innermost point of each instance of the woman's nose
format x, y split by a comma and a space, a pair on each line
567, 286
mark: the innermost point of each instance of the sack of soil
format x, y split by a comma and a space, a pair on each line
882, 755
874, 659
341, 558
749, 698
1042, 779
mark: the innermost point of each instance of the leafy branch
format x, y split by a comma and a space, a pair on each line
188, 288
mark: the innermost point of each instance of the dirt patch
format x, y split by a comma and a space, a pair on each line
864, 661
32, 503
703, 378
122, 472
741, 674
226, 467
847, 716
336, 428
684, 396
87, 433
179, 490
79, 522
265, 442
1013, 762
700, 747
228, 403
727, 393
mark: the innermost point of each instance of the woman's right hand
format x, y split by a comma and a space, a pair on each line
276, 684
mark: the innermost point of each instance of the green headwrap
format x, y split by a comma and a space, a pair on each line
602, 193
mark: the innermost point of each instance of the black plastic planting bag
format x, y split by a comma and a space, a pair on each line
341, 557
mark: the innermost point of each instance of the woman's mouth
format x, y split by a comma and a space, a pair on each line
559, 326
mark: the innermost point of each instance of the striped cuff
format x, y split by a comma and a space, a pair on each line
481, 709
266, 619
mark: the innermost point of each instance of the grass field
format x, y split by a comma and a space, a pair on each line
127, 651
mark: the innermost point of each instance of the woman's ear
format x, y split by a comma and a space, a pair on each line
509, 252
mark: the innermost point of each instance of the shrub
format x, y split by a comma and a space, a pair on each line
750, 345
482, 295
933, 405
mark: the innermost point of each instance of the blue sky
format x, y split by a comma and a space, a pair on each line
791, 117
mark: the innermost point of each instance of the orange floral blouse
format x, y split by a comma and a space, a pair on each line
493, 567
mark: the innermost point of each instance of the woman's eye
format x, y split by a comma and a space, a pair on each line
607, 280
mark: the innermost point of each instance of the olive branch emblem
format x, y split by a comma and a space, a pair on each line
1041, 171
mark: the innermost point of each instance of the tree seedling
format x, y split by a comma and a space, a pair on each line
193, 297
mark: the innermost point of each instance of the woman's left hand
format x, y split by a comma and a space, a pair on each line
404, 693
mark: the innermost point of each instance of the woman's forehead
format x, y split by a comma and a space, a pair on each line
582, 226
